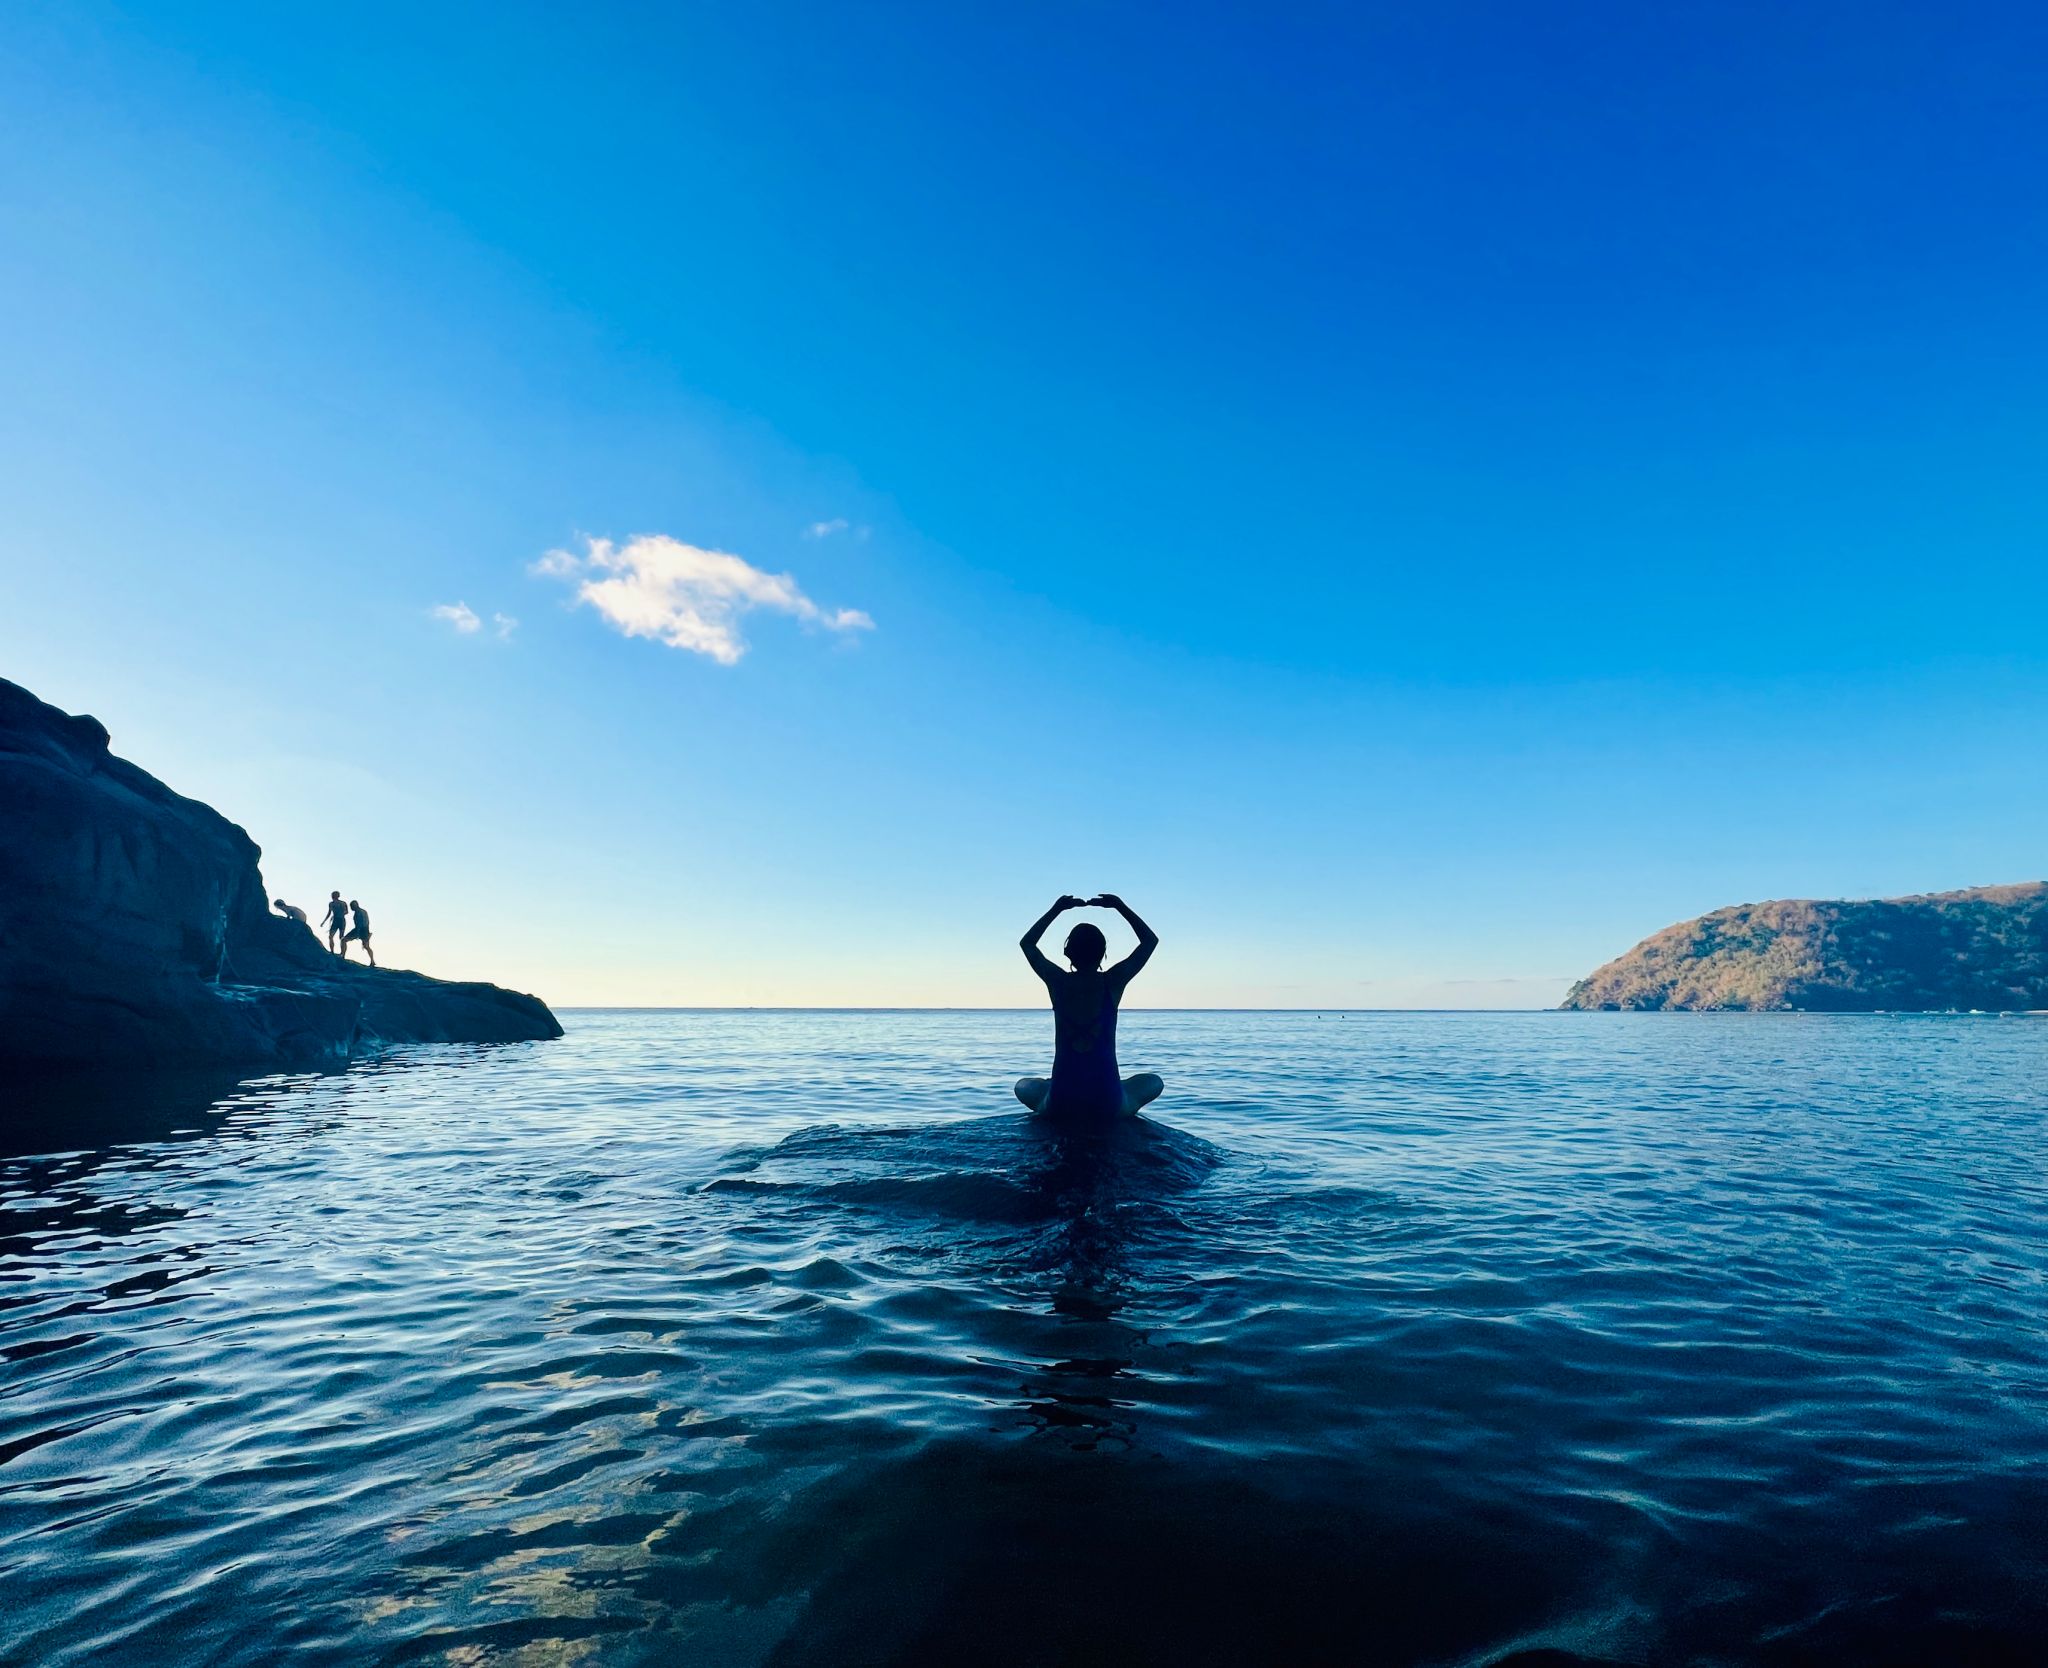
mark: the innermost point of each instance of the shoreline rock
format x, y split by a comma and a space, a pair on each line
135, 929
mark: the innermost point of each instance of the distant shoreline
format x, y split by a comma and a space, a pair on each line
1561, 1013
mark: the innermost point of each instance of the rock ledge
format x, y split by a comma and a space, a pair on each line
135, 929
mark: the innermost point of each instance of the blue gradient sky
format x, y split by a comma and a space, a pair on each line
1414, 497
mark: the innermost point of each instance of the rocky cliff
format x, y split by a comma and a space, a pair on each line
134, 929
1985, 948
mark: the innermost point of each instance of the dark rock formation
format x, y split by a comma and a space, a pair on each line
134, 929
1985, 948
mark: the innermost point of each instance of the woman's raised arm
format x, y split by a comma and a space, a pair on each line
1029, 942
1148, 940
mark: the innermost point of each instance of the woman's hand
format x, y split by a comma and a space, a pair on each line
1104, 900
1069, 901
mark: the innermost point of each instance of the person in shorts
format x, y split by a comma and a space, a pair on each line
359, 933
337, 922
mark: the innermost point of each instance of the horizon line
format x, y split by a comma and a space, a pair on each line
932, 1008
1760, 1013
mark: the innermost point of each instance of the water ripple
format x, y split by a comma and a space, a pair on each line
752, 1338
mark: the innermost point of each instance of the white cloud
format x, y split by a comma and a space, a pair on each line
505, 625
458, 614
838, 524
659, 587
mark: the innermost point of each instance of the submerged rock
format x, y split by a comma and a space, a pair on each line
134, 928
1985, 948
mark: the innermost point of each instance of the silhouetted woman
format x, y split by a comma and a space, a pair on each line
1084, 1086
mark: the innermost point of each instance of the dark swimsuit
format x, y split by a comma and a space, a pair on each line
1085, 1085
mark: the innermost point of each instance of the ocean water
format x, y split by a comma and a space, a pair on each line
787, 1338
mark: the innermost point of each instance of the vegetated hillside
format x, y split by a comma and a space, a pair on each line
1983, 948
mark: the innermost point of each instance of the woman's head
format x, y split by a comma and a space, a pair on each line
1086, 947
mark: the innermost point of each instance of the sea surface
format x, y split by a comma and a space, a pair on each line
786, 1337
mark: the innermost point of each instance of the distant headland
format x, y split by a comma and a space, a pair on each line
1985, 948
135, 929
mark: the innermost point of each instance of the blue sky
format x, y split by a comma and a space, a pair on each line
1415, 498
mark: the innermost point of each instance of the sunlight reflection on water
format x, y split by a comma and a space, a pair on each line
753, 1336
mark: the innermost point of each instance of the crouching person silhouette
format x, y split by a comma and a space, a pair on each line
1084, 1087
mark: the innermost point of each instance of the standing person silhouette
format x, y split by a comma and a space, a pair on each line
337, 923
359, 933
1084, 1086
